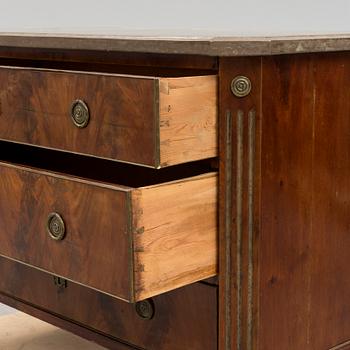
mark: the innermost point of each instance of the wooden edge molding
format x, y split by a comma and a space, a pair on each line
343, 346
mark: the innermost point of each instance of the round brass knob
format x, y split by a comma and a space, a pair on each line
55, 226
80, 113
145, 309
241, 86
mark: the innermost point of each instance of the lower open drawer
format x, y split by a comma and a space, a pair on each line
129, 242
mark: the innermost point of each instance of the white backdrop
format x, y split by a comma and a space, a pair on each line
177, 17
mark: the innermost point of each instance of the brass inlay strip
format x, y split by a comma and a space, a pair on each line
228, 231
341, 346
239, 203
239, 171
251, 158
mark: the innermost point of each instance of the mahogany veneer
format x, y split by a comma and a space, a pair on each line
185, 318
144, 120
129, 243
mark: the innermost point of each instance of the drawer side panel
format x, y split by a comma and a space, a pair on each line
188, 119
175, 234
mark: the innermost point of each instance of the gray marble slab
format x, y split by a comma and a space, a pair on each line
202, 45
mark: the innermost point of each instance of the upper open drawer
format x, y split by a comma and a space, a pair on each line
149, 121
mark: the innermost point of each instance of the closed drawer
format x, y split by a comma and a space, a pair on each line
182, 319
150, 121
131, 243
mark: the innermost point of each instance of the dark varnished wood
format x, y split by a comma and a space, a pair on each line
330, 239
239, 205
142, 120
184, 319
286, 195
301, 288
96, 249
305, 290
35, 109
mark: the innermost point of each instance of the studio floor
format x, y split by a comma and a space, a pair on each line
19, 331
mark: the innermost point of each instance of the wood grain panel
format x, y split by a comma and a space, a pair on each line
239, 205
174, 244
286, 195
124, 123
188, 119
96, 248
35, 109
108, 246
330, 285
184, 319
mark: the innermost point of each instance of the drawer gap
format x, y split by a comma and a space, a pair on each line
98, 169
167, 72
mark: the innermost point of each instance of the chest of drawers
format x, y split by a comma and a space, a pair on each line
163, 197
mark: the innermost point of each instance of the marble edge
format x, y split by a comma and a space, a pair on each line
196, 45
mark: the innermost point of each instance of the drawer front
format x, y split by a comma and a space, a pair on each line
127, 242
143, 120
183, 319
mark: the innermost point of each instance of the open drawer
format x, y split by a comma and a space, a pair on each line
151, 121
129, 242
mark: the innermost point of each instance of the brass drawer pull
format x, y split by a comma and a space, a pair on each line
241, 86
55, 226
80, 113
145, 309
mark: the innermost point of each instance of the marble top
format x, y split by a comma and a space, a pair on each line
202, 45
205, 27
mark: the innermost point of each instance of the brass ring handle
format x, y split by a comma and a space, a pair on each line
80, 113
55, 226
